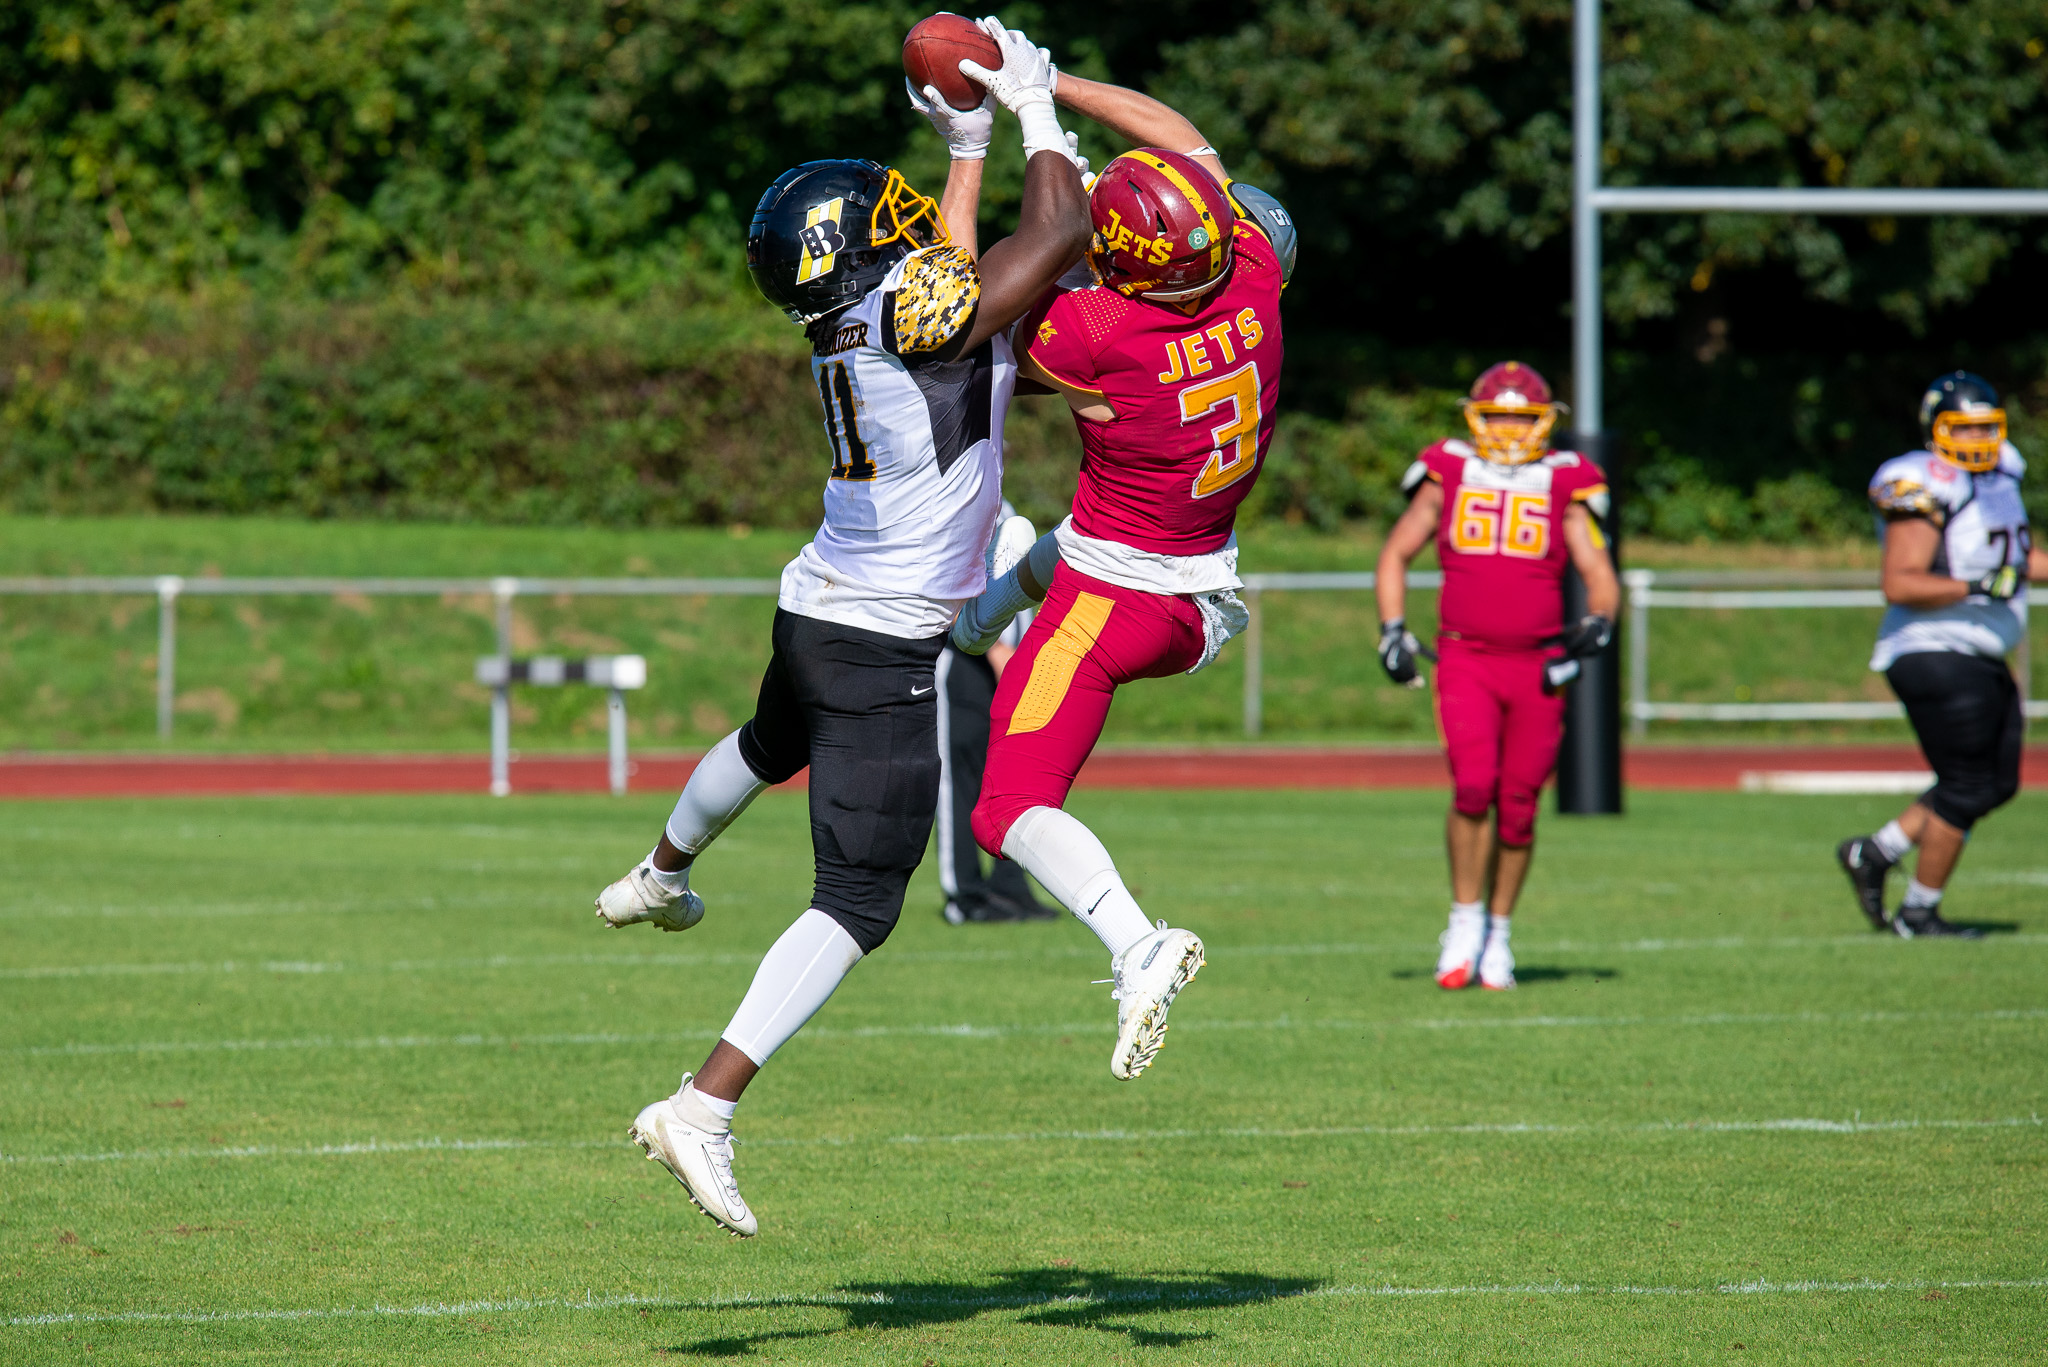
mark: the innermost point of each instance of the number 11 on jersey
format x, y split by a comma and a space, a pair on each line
849, 452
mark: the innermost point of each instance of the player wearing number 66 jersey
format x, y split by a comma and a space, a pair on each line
1507, 514
1170, 356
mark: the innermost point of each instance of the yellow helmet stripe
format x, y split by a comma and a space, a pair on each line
1195, 198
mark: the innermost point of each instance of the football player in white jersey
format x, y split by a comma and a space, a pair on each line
1957, 559
910, 352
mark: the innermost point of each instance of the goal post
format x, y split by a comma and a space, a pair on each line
1589, 769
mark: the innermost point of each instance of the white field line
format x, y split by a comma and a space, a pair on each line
1310, 951
1788, 1125
970, 1031
1190, 1296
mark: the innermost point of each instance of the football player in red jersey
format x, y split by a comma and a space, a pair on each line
1506, 513
1169, 353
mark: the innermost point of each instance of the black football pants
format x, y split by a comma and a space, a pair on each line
1966, 711
859, 708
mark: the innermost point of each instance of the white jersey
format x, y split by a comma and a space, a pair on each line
1983, 525
916, 432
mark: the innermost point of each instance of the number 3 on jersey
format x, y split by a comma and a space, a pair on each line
849, 452
1237, 441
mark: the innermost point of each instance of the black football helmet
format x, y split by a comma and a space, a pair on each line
1956, 400
827, 232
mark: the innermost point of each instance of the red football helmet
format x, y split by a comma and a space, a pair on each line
1163, 226
1511, 413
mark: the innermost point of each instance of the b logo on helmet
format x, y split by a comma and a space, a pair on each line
821, 240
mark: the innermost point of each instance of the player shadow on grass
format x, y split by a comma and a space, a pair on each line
1527, 974
1056, 1297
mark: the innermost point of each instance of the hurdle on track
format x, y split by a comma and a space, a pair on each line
614, 673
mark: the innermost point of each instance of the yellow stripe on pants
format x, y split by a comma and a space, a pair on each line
1052, 673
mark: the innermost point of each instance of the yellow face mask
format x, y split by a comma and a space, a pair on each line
1973, 453
1503, 445
905, 215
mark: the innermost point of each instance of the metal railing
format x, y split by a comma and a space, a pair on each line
1646, 589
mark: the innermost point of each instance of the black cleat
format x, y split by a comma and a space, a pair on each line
1866, 866
1914, 922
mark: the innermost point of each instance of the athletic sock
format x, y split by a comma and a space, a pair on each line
796, 977
1920, 897
1892, 841
1064, 856
1498, 926
1467, 913
705, 1111
719, 789
677, 882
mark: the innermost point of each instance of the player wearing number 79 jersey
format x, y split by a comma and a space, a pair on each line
1170, 358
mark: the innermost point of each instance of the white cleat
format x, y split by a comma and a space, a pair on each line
1149, 975
1497, 965
699, 1158
638, 897
1461, 942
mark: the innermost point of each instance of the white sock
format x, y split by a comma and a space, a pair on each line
1071, 863
677, 882
1919, 895
719, 789
1497, 927
1466, 913
796, 977
1892, 841
715, 1109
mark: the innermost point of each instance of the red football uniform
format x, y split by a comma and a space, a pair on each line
1195, 397
1501, 541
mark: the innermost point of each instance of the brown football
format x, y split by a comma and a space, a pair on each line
934, 49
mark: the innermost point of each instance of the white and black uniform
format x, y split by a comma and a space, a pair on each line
917, 453
915, 430
1947, 664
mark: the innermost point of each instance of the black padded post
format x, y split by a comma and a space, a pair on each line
1589, 761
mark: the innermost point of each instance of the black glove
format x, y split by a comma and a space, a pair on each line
1398, 649
2002, 583
1587, 637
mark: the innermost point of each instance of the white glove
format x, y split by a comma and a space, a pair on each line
1025, 76
966, 131
1023, 84
1080, 162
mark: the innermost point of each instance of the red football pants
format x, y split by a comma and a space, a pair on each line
1501, 730
1054, 694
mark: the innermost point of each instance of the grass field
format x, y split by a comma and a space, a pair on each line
346, 1081
357, 673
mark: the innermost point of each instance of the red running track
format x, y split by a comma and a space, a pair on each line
1223, 767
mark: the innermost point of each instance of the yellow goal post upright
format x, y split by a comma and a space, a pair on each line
1589, 764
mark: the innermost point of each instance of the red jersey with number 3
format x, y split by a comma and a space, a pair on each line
1194, 397
1501, 540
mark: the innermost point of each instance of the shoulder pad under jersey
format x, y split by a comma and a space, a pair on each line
929, 302
1414, 477
1918, 484
1273, 220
